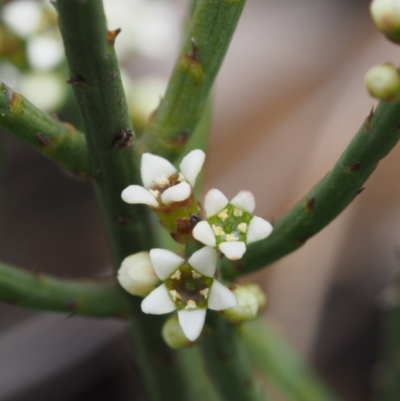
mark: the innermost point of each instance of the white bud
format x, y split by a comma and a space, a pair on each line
383, 82
136, 274
246, 308
259, 294
173, 335
386, 15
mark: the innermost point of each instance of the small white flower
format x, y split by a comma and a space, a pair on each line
191, 291
136, 274
230, 225
162, 183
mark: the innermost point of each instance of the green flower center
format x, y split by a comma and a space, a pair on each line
230, 224
188, 288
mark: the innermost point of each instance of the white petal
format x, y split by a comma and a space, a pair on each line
138, 194
177, 193
233, 249
158, 302
221, 297
153, 167
203, 233
191, 165
204, 261
164, 262
244, 200
258, 229
214, 202
192, 322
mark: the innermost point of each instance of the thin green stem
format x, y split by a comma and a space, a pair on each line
56, 140
101, 298
97, 86
282, 365
374, 140
227, 362
389, 379
207, 39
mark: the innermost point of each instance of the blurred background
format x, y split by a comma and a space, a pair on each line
288, 99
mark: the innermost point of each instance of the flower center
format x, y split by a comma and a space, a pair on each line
230, 224
164, 182
188, 288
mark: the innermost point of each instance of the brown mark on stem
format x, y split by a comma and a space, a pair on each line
123, 138
367, 123
76, 80
122, 220
355, 167
359, 191
10, 94
224, 359
112, 35
194, 51
180, 140
165, 360
310, 204
73, 305
43, 140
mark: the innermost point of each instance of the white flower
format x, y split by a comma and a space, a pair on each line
136, 274
188, 287
230, 225
386, 15
163, 184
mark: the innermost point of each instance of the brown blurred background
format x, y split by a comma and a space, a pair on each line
288, 99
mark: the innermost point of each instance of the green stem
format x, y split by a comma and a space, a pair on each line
374, 140
281, 364
207, 40
97, 86
101, 298
58, 141
389, 382
227, 362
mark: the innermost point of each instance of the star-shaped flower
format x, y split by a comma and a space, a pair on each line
162, 183
230, 225
188, 286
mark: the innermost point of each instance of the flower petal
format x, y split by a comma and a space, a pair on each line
138, 194
164, 262
244, 200
221, 297
177, 193
191, 165
158, 302
204, 261
214, 202
153, 167
233, 249
192, 322
258, 229
204, 233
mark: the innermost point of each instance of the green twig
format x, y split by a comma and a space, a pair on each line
227, 362
96, 82
388, 383
101, 298
377, 136
207, 40
281, 364
58, 141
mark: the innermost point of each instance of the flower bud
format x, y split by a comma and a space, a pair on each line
173, 335
136, 274
247, 305
383, 82
386, 15
259, 294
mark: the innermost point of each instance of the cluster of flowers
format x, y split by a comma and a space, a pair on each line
167, 281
